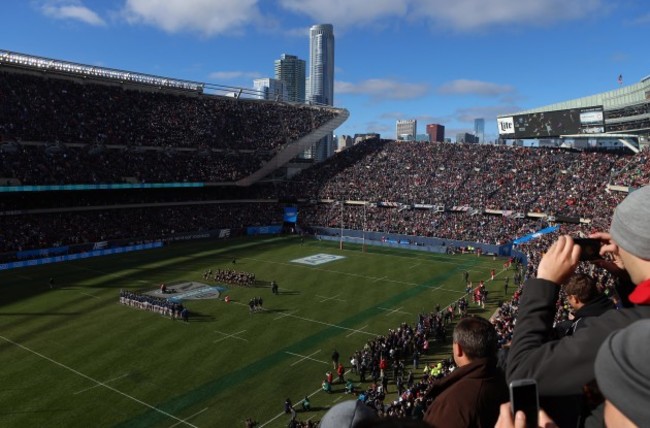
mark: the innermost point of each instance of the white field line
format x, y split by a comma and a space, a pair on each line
162, 412
190, 417
284, 315
393, 311
354, 332
291, 315
298, 403
227, 336
95, 386
325, 299
89, 295
306, 357
333, 325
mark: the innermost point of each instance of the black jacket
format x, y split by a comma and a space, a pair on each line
560, 367
598, 306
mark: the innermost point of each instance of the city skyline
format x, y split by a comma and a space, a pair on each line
434, 61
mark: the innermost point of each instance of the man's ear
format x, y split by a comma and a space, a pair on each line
458, 350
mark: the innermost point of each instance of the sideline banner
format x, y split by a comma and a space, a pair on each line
77, 256
44, 252
264, 230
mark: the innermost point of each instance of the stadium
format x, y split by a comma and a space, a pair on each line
128, 198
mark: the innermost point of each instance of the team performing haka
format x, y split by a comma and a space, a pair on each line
230, 276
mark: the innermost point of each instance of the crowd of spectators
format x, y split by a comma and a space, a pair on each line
36, 108
46, 230
514, 179
59, 164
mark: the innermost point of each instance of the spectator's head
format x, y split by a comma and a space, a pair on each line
347, 414
580, 290
630, 229
474, 338
623, 375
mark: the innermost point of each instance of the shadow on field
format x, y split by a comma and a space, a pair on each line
288, 293
198, 317
273, 311
31, 314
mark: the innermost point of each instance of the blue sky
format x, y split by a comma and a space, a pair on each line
438, 61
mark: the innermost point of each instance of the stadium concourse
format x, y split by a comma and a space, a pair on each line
61, 132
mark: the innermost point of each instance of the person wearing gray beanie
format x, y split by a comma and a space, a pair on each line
623, 375
629, 230
347, 414
562, 367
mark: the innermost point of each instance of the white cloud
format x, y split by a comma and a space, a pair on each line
72, 9
641, 20
489, 113
378, 127
347, 12
383, 89
474, 87
207, 17
460, 15
231, 75
468, 15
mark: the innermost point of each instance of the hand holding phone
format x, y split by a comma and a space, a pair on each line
523, 397
589, 248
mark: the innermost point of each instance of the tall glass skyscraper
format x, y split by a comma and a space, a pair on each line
291, 70
321, 79
321, 64
479, 130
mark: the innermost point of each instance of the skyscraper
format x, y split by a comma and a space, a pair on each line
436, 132
406, 129
270, 89
479, 130
321, 64
291, 70
321, 78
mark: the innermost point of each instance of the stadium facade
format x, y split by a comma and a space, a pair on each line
621, 116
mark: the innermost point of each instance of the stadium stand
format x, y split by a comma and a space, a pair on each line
59, 130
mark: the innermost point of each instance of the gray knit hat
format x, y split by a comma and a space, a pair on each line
623, 372
346, 415
631, 223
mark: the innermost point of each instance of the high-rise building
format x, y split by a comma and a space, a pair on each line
321, 64
406, 129
436, 132
321, 78
479, 130
291, 70
466, 137
270, 89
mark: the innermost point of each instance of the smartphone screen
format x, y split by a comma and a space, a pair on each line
523, 397
590, 248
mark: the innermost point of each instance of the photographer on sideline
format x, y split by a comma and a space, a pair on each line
563, 367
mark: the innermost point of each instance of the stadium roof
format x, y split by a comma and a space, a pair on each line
610, 100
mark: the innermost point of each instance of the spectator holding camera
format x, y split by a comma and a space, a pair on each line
562, 368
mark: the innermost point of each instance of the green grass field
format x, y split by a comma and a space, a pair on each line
75, 357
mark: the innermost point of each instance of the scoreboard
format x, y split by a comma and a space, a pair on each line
550, 124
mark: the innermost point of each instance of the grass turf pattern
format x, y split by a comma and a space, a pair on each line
73, 356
